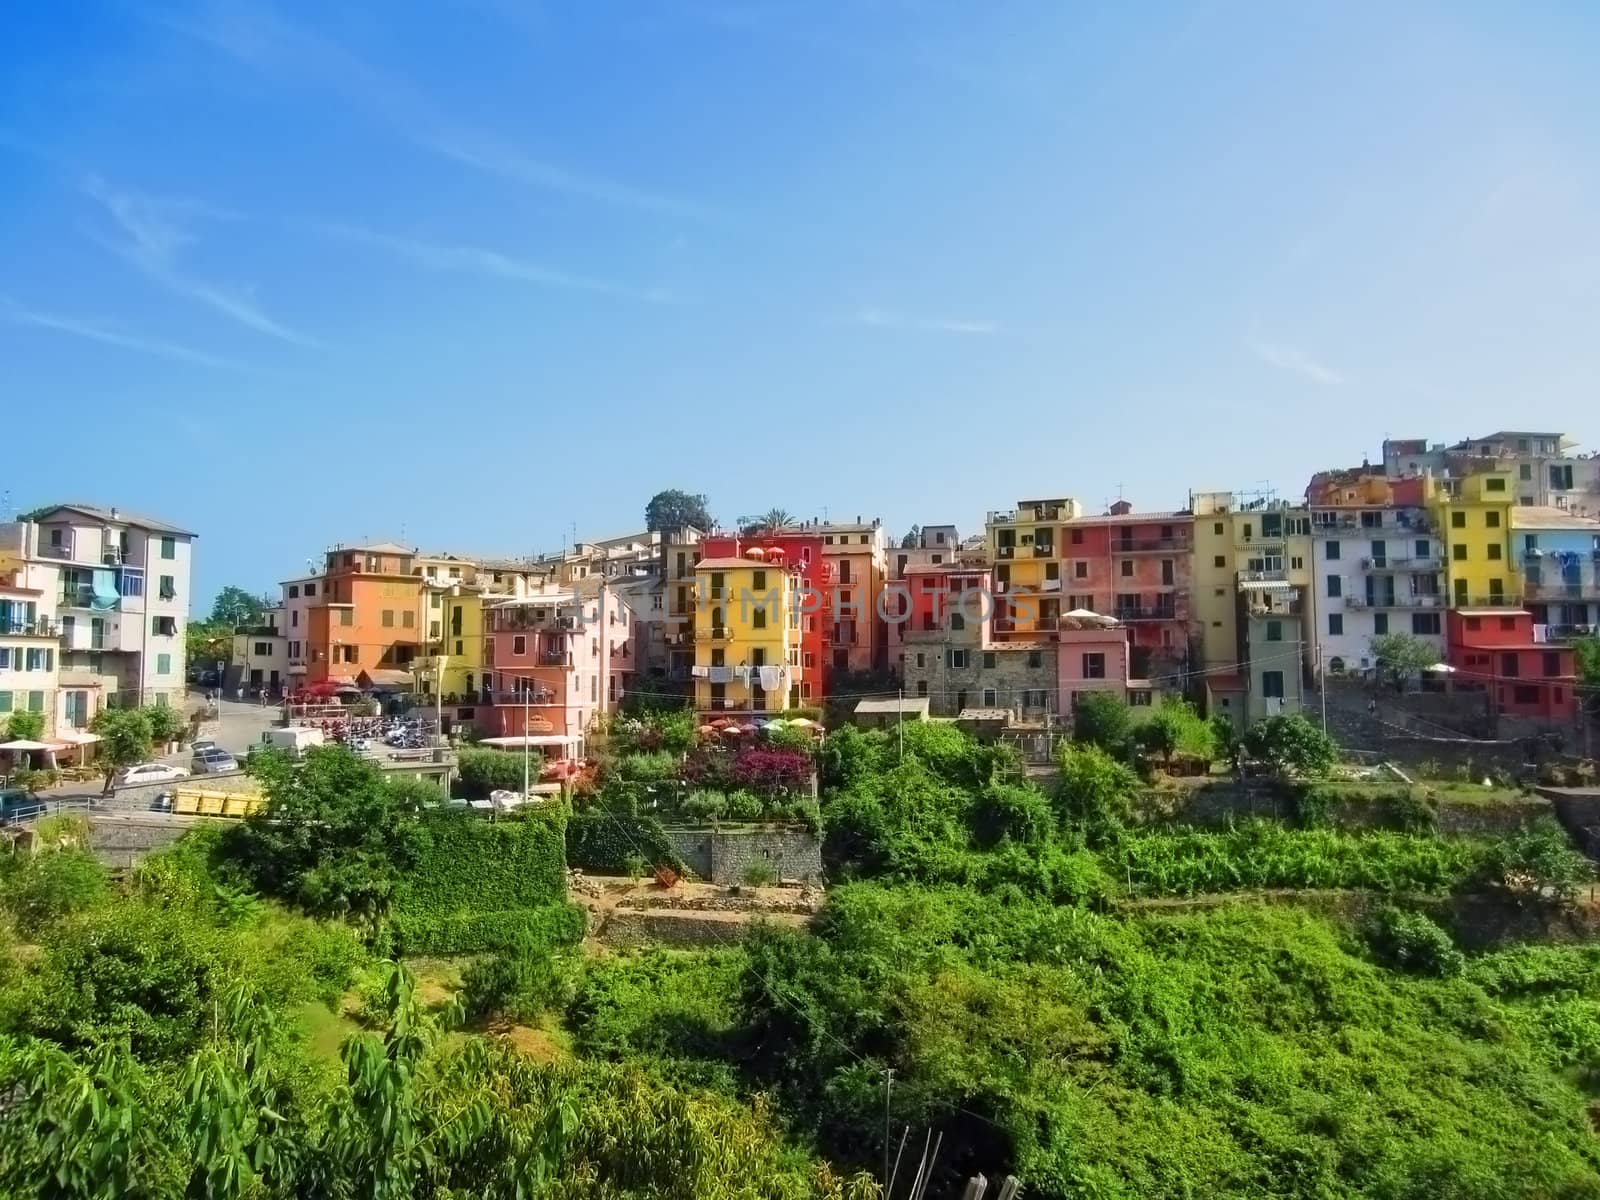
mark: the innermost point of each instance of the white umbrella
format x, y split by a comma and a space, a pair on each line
77, 737
22, 745
1440, 669
1093, 618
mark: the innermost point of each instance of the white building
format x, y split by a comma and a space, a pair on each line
106, 594
260, 656
1375, 570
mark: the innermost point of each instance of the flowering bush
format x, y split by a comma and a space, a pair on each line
772, 770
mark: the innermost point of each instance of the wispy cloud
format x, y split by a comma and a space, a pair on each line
479, 261
878, 318
1287, 358
17, 314
154, 231
261, 38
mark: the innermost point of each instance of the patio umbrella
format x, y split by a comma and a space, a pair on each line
1440, 669
803, 723
24, 746
706, 729
1086, 615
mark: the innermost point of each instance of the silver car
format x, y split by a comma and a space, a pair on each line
213, 761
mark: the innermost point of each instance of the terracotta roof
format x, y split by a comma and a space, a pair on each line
1545, 516
735, 564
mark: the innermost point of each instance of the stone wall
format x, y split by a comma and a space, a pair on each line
122, 840
723, 855
1219, 805
1017, 684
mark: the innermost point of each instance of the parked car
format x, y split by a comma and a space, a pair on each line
202, 745
149, 773
210, 762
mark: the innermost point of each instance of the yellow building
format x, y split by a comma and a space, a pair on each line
1023, 550
1473, 519
1240, 539
747, 636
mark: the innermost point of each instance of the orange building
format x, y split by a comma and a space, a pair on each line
368, 616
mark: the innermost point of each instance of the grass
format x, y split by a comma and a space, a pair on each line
325, 1030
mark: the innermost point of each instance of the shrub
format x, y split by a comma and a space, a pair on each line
1012, 812
772, 770
760, 873
744, 806
602, 841
518, 982
1102, 719
1292, 745
54, 884
1410, 941
489, 930
657, 767
24, 726
485, 771
705, 804
1095, 795
1537, 862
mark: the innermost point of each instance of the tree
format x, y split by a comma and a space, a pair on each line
1587, 651
775, 520
674, 509
1160, 735
912, 538
235, 606
333, 837
205, 644
25, 726
1096, 791
1225, 738
125, 739
1102, 719
1292, 744
1402, 655
166, 724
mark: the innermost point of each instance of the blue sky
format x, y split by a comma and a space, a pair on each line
471, 273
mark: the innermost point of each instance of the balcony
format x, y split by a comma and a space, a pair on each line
1563, 593
1046, 624
1490, 601
1430, 563
719, 633
1271, 545
1285, 606
1159, 545
534, 699
83, 597
39, 627
1158, 613
1005, 552
1563, 633
1398, 600
554, 658
1264, 576
1043, 550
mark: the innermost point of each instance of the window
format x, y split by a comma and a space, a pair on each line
758, 580
989, 699
1424, 624
1380, 624
1561, 477
1035, 659
1335, 585
131, 583
922, 687
920, 661
1220, 561
1458, 520
1077, 537
1421, 548
1274, 631
263, 649
35, 701
1335, 624
1094, 666
1494, 484
5, 702
1272, 685
294, 591
168, 588
957, 621
1507, 624
163, 664
1371, 520
1510, 666
1525, 471
1139, 698
39, 660
1332, 551
1052, 570
1552, 663
169, 547
1525, 694
1459, 553
988, 660
294, 617
311, 589
1494, 551
1297, 563
758, 617
1127, 568
5, 656
519, 644
294, 649
408, 619
388, 618
1492, 519
958, 659
164, 626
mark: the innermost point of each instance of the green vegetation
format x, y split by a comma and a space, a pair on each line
24, 725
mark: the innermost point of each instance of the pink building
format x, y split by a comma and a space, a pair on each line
558, 662
1092, 659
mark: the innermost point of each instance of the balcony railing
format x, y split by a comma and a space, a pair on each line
720, 633
1563, 633
1260, 542
1159, 613
1159, 545
1403, 563
533, 699
1279, 608
39, 627
1398, 600
555, 658
1263, 576
1005, 552
1563, 593
1490, 601
1045, 550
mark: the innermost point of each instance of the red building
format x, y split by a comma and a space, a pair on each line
803, 553
1137, 567
1494, 649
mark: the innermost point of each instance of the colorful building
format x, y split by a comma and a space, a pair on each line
800, 553
1473, 517
856, 555
1495, 650
552, 655
1022, 546
365, 615
1377, 567
1559, 553
748, 634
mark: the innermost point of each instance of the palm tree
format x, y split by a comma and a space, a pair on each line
775, 520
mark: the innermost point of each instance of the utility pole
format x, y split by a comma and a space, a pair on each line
888, 1088
900, 732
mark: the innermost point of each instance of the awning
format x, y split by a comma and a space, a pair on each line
534, 739
24, 746
387, 680
105, 590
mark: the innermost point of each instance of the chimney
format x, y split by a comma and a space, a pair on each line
113, 514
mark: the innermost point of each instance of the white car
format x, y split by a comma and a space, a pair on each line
150, 773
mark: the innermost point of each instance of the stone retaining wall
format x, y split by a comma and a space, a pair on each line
723, 855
